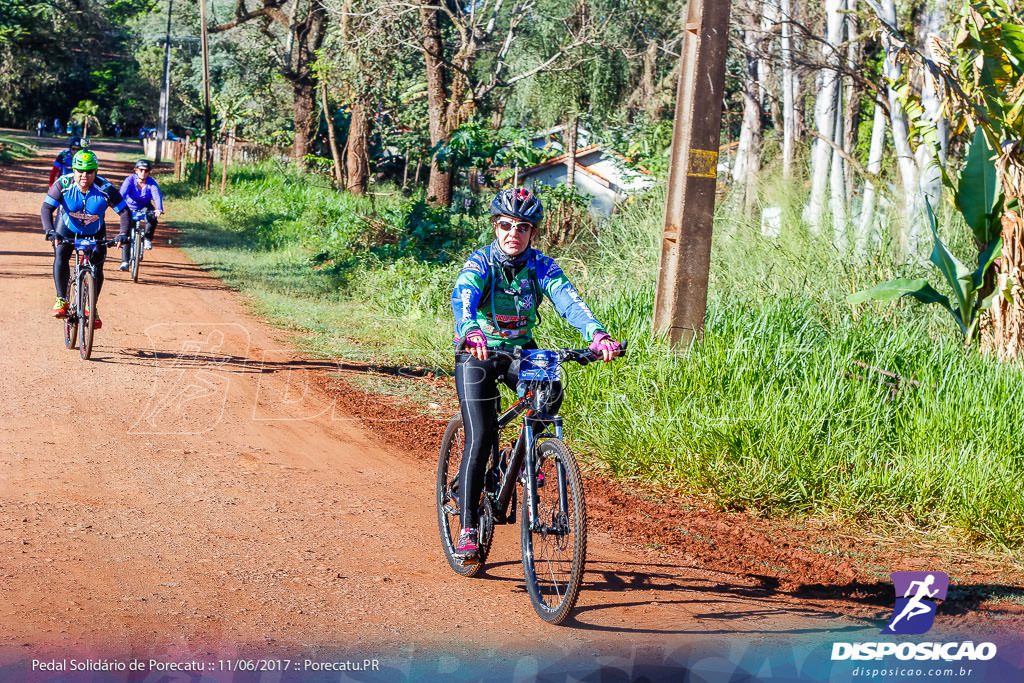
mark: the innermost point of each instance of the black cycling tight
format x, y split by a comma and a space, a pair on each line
126, 248
476, 382
62, 269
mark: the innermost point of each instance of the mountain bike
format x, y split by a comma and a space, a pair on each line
553, 516
135, 238
81, 317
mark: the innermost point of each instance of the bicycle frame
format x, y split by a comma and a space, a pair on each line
530, 404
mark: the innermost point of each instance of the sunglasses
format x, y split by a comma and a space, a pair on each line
508, 224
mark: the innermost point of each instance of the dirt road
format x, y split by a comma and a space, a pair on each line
195, 489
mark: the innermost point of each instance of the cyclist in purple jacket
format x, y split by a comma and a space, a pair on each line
141, 192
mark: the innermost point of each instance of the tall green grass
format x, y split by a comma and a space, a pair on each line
15, 148
767, 411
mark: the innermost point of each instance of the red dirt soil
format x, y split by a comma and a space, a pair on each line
198, 486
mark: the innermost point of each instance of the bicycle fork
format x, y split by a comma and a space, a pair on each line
530, 472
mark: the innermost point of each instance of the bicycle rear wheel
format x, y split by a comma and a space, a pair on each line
555, 548
87, 311
449, 523
71, 319
136, 253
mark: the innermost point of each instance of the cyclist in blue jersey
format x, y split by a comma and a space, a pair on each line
62, 164
81, 199
495, 304
141, 192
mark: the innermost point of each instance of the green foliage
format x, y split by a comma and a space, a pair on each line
980, 201
86, 114
471, 145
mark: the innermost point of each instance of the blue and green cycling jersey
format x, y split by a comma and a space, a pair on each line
82, 213
504, 306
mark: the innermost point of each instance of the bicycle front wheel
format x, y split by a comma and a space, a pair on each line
449, 521
136, 253
87, 311
555, 544
71, 319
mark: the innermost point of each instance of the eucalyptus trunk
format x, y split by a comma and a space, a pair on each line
837, 182
898, 121
927, 158
788, 99
825, 111
748, 151
852, 91
867, 234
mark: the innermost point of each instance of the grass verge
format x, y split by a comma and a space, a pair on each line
769, 411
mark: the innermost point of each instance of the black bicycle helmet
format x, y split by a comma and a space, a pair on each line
75, 141
143, 163
518, 202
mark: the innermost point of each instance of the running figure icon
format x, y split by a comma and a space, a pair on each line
920, 592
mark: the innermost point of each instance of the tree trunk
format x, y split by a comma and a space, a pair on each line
825, 113
332, 138
788, 100
926, 157
1002, 330
748, 157
357, 161
852, 91
305, 121
898, 121
439, 185
867, 234
571, 127
837, 182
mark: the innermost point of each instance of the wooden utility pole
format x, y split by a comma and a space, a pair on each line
682, 291
165, 89
208, 140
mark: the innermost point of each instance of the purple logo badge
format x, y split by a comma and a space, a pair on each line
917, 594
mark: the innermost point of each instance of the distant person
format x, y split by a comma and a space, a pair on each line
83, 199
70, 129
56, 127
141, 192
40, 128
117, 130
62, 164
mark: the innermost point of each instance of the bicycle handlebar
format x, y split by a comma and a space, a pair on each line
581, 356
99, 243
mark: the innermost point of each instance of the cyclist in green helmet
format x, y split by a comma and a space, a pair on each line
82, 198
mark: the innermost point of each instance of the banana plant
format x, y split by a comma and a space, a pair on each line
979, 199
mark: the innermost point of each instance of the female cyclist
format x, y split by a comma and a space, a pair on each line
495, 303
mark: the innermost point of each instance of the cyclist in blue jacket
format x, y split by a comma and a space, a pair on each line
62, 164
495, 304
141, 192
82, 198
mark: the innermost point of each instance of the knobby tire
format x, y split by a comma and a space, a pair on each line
554, 555
136, 253
87, 304
449, 524
71, 319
